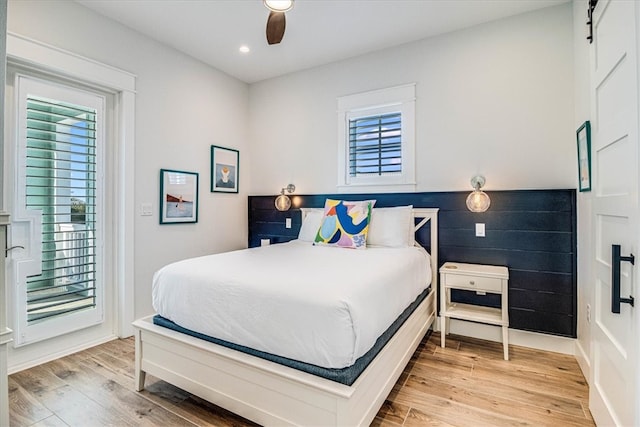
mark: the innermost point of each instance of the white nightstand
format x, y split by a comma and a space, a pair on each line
483, 279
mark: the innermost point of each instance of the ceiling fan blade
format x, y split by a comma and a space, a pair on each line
276, 24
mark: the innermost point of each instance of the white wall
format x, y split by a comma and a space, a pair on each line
496, 99
182, 107
584, 226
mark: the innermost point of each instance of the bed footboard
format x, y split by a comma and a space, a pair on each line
271, 394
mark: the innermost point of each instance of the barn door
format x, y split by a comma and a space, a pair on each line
614, 93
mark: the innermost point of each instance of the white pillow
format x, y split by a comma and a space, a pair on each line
392, 227
311, 224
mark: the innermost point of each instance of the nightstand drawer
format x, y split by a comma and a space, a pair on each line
488, 284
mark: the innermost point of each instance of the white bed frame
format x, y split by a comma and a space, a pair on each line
272, 394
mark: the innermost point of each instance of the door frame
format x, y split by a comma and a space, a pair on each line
45, 58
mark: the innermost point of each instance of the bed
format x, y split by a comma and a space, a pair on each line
246, 381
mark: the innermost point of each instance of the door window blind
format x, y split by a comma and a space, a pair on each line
375, 145
61, 182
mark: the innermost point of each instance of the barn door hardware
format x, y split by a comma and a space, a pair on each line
592, 5
616, 259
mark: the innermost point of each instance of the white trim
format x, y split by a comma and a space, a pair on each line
583, 361
528, 339
5, 333
126, 214
394, 99
395, 95
57, 355
33, 54
375, 188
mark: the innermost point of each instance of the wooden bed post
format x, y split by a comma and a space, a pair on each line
140, 374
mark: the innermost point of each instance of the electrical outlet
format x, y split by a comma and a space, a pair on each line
479, 229
287, 223
588, 313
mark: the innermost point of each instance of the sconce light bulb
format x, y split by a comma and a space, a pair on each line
283, 202
478, 201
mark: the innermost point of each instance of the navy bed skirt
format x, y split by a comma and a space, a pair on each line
345, 376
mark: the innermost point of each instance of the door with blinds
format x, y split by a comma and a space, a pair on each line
57, 225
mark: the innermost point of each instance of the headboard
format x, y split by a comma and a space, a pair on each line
430, 215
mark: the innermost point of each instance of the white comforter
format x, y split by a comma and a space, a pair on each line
321, 305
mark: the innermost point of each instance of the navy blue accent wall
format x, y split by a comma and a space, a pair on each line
532, 232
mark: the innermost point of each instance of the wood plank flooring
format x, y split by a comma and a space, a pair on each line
466, 384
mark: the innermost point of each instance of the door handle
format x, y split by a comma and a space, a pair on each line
616, 259
6, 251
6, 243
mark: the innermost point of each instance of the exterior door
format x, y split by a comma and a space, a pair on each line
614, 94
57, 223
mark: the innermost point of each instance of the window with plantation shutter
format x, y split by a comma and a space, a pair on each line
375, 145
377, 139
61, 182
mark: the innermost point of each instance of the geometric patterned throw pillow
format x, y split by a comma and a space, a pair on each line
345, 224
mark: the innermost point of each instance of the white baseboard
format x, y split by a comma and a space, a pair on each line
12, 369
583, 361
516, 337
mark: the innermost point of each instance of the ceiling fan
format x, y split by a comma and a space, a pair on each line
276, 22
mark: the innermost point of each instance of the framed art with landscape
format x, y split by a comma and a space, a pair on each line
225, 169
178, 197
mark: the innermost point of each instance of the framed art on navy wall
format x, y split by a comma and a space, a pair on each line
178, 197
225, 169
583, 136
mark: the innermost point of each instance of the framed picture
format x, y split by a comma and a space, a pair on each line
225, 169
178, 197
583, 136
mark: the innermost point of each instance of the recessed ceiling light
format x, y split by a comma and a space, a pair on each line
244, 49
279, 5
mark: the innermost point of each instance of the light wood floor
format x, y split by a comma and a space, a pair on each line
466, 384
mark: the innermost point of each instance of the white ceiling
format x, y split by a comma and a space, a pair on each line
318, 31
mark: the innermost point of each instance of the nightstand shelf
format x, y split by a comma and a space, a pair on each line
475, 313
482, 279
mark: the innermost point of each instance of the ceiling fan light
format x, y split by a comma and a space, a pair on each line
279, 5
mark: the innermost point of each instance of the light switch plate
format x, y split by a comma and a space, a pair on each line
287, 223
146, 209
480, 229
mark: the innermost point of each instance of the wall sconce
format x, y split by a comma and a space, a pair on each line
478, 200
283, 202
